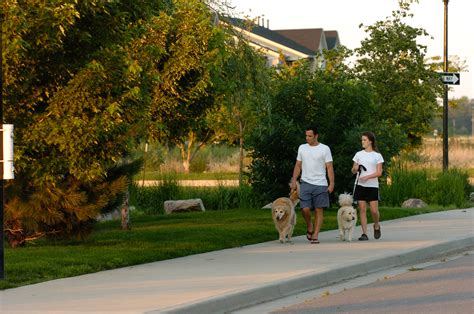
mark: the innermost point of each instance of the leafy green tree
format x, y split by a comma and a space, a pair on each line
244, 88
82, 83
393, 63
460, 113
191, 59
335, 104
455, 64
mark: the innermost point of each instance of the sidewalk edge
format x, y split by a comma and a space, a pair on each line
242, 299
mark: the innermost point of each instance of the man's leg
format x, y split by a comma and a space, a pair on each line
318, 221
306, 211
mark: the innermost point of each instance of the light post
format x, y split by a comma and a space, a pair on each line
445, 98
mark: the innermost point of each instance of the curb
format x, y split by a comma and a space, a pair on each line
238, 300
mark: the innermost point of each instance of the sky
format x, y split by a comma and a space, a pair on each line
346, 15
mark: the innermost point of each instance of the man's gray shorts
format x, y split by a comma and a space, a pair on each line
313, 196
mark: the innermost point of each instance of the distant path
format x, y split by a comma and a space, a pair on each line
198, 183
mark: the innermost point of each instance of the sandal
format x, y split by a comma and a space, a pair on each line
309, 235
363, 237
377, 232
314, 241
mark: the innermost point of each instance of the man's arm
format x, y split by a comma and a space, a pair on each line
296, 173
330, 171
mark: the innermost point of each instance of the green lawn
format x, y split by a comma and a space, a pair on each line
152, 238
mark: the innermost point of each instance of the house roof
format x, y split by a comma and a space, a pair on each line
332, 39
272, 35
309, 38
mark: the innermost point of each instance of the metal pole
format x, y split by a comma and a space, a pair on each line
445, 98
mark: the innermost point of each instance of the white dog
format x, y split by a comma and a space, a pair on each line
284, 216
346, 217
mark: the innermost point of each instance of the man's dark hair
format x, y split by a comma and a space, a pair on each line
313, 128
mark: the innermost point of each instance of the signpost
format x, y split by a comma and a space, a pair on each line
6, 173
451, 78
445, 96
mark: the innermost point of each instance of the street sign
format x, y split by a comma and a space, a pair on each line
451, 78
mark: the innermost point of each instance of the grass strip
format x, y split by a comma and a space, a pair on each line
154, 238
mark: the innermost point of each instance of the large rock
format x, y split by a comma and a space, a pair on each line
178, 206
414, 203
268, 206
471, 197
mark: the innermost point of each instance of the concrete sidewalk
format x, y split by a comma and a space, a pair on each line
227, 280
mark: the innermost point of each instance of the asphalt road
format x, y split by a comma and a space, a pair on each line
441, 286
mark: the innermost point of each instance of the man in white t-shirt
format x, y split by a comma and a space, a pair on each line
313, 162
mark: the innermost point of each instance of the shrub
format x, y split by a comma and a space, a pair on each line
447, 188
341, 107
451, 187
404, 184
198, 163
151, 199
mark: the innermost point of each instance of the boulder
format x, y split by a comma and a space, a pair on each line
269, 205
414, 203
190, 205
471, 197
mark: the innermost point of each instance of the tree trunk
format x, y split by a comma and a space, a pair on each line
187, 151
241, 153
126, 211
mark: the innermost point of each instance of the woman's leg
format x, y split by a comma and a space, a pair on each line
363, 216
374, 211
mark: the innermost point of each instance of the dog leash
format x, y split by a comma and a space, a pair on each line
359, 170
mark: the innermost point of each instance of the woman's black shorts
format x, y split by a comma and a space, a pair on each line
368, 194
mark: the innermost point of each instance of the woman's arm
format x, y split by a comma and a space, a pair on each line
355, 168
376, 174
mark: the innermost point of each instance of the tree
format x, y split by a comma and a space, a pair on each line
191, 59
82, 83
301, 99
393, 64
244, 87
455, 64
460, 117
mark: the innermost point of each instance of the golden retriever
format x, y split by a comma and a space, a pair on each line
284, 216
346, 217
